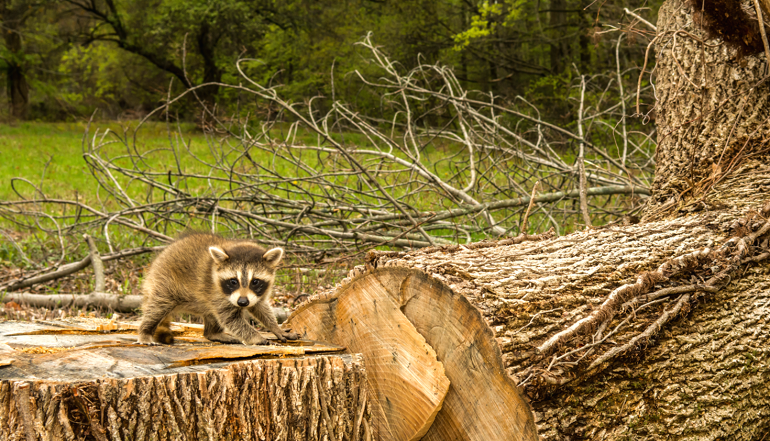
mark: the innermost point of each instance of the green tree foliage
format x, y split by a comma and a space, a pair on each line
122, 55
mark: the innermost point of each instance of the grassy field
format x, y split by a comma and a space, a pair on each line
53, 151
50, 155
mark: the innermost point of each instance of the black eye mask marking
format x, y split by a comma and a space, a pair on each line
229, 285
258, 286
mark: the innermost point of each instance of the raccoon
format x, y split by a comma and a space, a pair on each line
224, 281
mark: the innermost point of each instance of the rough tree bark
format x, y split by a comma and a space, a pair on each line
653, 331
712, 99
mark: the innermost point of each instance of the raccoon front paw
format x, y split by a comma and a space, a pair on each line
146, 340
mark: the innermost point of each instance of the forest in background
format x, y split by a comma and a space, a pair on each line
64, 59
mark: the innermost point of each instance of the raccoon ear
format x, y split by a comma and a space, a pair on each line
273, 257
218, 254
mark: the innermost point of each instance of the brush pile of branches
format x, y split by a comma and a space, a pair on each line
446, 166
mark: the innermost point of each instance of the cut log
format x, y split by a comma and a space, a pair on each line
482, 402
591, 322
535, 293
406, 379
65, 383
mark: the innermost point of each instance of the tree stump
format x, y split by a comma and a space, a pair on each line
69, 383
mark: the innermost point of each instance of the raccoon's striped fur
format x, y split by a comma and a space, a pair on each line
224, 281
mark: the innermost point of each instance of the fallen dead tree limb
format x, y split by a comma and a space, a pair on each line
72, 268
103, 300
97, 299
63, 271
115, 302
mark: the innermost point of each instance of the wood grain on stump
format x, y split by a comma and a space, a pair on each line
64, 385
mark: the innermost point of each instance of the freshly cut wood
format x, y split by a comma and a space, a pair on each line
64, 385
482, 402
408, 383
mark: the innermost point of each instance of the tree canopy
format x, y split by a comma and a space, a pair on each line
62, 59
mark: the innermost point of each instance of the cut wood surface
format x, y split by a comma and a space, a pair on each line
72, 383
482, 403
406, 379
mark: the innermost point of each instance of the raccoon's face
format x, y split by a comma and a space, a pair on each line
244, 273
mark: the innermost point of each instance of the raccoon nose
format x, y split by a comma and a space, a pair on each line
243, 301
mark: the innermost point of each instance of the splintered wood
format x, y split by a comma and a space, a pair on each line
67, 383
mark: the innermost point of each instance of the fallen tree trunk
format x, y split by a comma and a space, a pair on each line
655, 331
70, 384
589, 327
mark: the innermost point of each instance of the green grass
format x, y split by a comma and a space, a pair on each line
33, 150
50, 155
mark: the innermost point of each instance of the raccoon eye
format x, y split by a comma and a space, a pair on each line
257, 285
233, 283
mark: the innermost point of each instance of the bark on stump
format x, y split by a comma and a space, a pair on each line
106, 389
